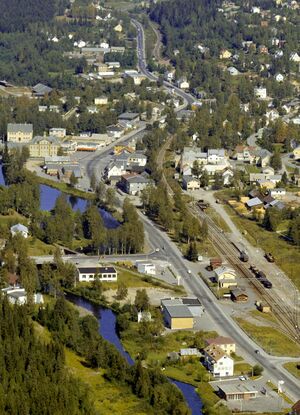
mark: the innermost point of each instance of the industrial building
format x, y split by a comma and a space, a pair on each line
179, 313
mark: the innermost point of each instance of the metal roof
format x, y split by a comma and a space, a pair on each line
14, 128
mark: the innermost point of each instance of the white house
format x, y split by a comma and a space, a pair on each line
215, 156
255, 10
88, 273
227, 176
233, 71
19, 229
103, 100
146, 268
278, 193
279, 77
225, 277
182, 83
17, 295
260, 92
190, 183
217, 361
294, 57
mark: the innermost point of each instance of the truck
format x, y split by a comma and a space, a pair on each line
215, 263
269, 257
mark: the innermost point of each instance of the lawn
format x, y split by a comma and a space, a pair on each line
264, 316
293, 368
12, 219
37, 247
242, 369
108, 398
270, 339
136, 280
287, 256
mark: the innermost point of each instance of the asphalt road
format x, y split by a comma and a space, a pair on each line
193, 283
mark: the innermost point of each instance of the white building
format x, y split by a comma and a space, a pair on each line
279, 77
17, 295
217, 362
260, 92
88, 273
215, 156
182, 83
190, 183
58, 132
19, 229
146, 268
294, 57
103, 100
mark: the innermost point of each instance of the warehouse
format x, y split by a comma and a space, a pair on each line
179, 313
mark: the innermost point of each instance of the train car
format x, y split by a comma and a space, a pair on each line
269, 257
244, 257
267, 284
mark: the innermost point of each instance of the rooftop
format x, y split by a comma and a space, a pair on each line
220, 340
14, 128
243, 387
96, 270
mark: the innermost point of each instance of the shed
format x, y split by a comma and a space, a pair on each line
238, 295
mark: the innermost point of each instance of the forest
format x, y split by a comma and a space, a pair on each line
34, 380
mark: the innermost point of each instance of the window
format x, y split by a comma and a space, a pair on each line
83, 277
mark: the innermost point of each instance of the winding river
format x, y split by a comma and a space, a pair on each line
107, 328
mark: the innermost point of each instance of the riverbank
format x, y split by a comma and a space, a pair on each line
65, 188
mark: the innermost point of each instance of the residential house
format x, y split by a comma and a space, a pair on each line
92, 109
146, 267
129, 119
169, 76
227, 344
189, 352
58, 132
190, 183
254, 203
271, 115
262, 49
18, 295
218, 362
118, 28
43, 146
134, 183
182, 83
294, 57
215, 156
19, 133
263, 157
255, 10
104, 273
103, 100
19, 229
227, 176
225, 277
296, 153
279, 77
115, 131
41, 90
225, 54
260, 92
114, 169
268, 171
233, 71
245, 154
278, 193
138, 158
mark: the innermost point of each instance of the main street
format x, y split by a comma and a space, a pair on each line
193, 284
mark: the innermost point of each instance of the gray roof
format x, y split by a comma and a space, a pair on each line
178, 311
129, 116
254, 202
41, 89
14, 128
137, 179
97, 270
240, 387
50, 138
19, 228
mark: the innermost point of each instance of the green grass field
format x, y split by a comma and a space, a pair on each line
287, 256
270, 339
293, 368
108, 397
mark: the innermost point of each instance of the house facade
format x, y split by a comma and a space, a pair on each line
87, 274
19, 133
190, 183
225, 277
218, 362
44, 146
227, 344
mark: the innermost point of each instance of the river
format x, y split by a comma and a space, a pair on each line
48, 196
107, 328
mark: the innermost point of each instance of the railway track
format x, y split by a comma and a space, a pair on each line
285, 315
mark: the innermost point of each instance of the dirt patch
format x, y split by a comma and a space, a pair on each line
155, 295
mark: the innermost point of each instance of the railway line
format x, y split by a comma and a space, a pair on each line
285, 315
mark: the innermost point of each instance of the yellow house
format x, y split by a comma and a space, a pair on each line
227, 344
225, 54
296, 153
118, 28
101, 100
44, 146
19, 133
225, 277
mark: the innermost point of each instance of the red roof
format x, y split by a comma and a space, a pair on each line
220, 340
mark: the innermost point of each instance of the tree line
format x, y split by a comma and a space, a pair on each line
81, 335
34, 379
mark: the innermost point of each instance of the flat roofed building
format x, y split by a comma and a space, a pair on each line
88, 273
241, 391
19, 133
179, 314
